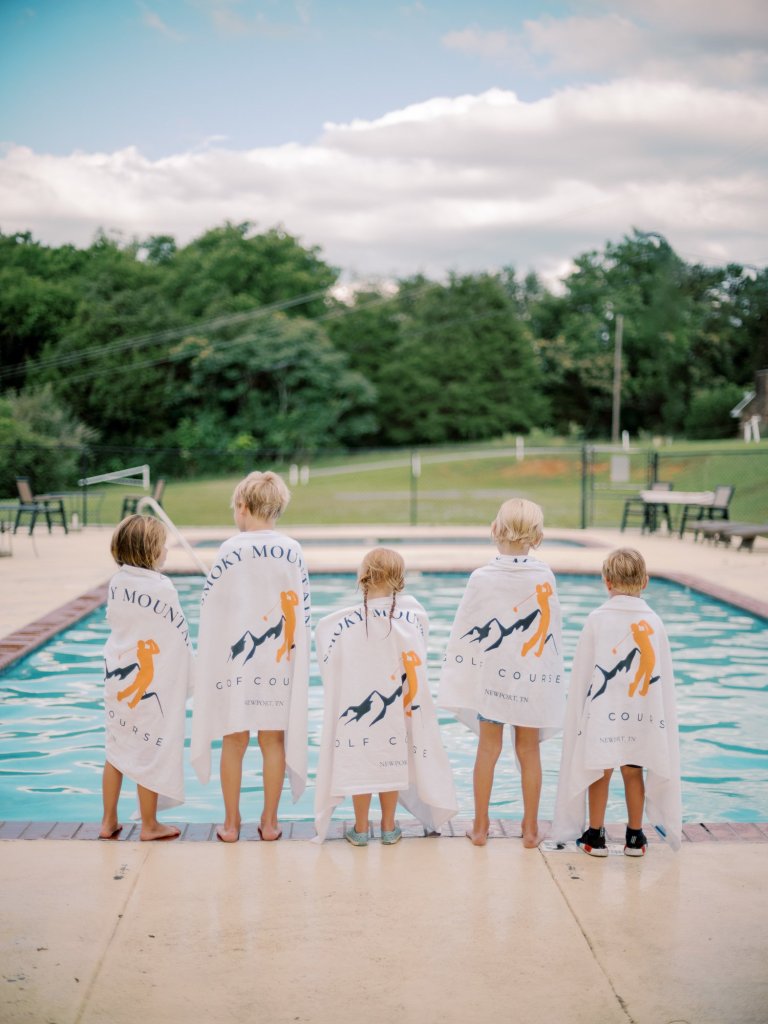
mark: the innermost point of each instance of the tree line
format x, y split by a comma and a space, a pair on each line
237, 341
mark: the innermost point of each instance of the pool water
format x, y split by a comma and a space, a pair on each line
52, 734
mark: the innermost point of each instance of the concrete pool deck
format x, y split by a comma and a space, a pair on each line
429, 930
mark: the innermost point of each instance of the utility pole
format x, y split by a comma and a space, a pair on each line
616, 418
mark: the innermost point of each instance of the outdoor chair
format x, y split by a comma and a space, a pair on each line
131, 501
719, 509
33, 505
649, 515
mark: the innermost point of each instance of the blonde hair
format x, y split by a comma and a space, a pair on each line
381, 567
138, 540
519, 521
264, 495
625, 570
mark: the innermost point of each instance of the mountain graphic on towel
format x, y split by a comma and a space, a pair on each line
251, 641
376, 704
624, 665
120, 673
482, 633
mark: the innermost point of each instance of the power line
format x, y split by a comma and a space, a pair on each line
61, 359
217, 323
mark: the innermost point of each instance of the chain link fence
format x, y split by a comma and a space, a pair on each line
577, 485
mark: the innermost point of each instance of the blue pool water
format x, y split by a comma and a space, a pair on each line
52, 737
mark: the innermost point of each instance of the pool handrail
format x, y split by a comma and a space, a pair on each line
162, 515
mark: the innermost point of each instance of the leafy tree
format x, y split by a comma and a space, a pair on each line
709, 413
39, 438
660, 300
38, 297
107, 366
283, 384
232, 261
463, 368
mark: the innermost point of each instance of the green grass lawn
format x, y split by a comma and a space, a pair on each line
465, 485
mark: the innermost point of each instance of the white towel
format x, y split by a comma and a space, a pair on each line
380, 729
252, 669
621, 710
504, 657
147, 661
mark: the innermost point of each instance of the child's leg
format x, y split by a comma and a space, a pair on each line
634, 790
272, 744
529, 756
233, 748
151, 828
388, 803
598, 799
488, 750
362, 805
111, 784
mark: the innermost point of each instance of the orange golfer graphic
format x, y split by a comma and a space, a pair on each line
411, 661
145, 653
543, 593
289, 599
641, 633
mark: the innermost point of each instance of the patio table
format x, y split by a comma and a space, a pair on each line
698, 501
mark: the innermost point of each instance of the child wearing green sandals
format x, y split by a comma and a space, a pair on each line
380, 729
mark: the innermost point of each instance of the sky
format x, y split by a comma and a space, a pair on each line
426, 136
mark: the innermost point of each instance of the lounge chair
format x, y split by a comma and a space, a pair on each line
723, 532
131, 501
33, 505
717, 510
650, 515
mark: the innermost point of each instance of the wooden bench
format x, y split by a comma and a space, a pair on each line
724, 531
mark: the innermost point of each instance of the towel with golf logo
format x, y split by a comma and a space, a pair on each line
147, 676
504, 658
252, 667
380, 730
621, 710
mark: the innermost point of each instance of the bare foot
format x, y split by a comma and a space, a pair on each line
477, 837
269, 833
110, 830
227, 835
531, 840
151, 832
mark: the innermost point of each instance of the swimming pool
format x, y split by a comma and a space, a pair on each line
52, 736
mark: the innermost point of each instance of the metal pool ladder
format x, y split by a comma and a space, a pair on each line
162, 515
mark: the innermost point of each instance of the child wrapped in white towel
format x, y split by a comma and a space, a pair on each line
380, 730
621, 714
147, 670
504, 662
252, 669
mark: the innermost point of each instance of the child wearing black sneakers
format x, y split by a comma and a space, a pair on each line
621, 714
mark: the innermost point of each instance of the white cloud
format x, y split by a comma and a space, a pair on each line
691, 40
494, 44
586, 44
466, 183
153, 20
228, 20
734, 23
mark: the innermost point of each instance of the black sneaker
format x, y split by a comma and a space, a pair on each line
593, 842
636, 843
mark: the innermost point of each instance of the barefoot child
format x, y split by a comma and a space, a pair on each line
503, 665
621, 714
147, 661
252, 670
380, 731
